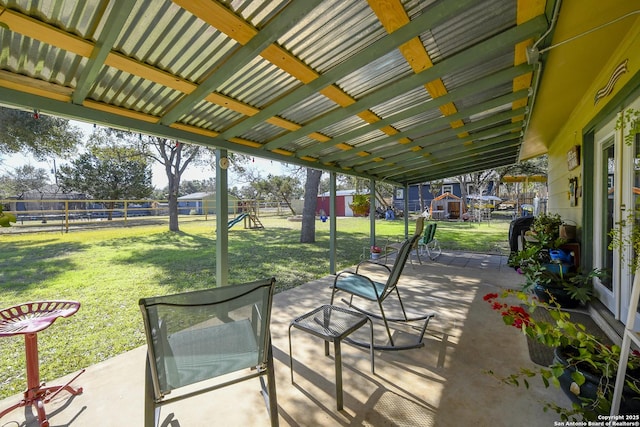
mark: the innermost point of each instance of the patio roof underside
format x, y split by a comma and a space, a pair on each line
404, 91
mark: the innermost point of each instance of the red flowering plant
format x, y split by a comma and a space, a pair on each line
584, 366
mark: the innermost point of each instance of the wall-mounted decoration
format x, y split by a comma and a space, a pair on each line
574, 191
573, 157
608, 88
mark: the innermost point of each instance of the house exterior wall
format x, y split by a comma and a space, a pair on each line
204, 205
577, 125
342, 203
414, 195
324, 205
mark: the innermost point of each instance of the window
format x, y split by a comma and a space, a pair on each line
447, 188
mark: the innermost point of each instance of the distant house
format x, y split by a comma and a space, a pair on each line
197, 203
203, 203
451, 187
47, 198
343, 199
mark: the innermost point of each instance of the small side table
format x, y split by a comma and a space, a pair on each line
332, 324
28, 319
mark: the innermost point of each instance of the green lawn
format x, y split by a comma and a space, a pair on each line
109, 269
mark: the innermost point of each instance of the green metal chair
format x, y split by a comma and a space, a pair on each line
356, 284
428, 242
201, 335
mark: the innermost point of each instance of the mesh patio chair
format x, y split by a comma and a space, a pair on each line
428, 242
356, 284
201, 335
393, 247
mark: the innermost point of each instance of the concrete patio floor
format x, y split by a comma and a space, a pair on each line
443, 383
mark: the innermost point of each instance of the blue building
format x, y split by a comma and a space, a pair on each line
451, 187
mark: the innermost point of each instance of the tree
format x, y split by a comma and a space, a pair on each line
342, 183
478, 180
435, 187
197, 186
311, 185
175, 156
42, 136
284, 188
23, 179
108, 173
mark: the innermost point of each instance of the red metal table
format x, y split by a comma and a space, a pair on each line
28, 319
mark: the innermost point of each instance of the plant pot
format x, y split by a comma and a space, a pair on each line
561, 296
630, 403
557, 267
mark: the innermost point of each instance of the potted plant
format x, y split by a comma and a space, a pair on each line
542, 237
546, 231
360, 204
584, 367
375, 252
548, 271
556, 280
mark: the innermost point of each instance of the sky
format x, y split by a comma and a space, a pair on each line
159, 178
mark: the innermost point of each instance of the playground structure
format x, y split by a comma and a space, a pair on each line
251, 221
248, 214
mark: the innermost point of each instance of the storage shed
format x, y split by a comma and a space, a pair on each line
343, 199
447, 206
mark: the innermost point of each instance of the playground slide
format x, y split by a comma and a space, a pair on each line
236, 220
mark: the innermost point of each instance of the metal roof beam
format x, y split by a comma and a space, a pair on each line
437, 15
448, 137
463, 59
462, 169
460, 154
485, 139
282, 23
434, 124
113, 25
467, 90
17, 99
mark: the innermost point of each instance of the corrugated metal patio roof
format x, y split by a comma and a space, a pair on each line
404, 91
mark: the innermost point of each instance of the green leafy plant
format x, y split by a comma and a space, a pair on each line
551, 275
619, 240
546, 230
584, 356
360, 204
540, 271
6, 218
629, 120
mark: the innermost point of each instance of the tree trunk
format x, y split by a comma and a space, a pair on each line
293, 212
174, 183
308, 231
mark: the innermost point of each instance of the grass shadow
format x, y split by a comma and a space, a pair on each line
25, 265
